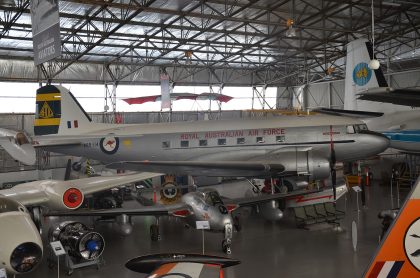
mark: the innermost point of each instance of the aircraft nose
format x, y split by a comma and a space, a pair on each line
377, 141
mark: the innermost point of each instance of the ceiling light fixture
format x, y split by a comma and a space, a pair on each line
373, 64
291, 32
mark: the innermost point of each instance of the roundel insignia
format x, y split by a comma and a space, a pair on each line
109, 144
412, 243
362, 74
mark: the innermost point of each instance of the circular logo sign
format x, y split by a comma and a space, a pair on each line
412, 243
362, 74
109, 145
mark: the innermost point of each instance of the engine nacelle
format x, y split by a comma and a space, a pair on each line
124, 225
79, 240
271, 211
305, 162
20, 242
62, 197
18, 145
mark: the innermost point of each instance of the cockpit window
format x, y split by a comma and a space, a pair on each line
213, 198
358, 128
21, 139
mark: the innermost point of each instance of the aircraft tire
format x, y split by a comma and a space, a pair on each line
226, 247
154, 232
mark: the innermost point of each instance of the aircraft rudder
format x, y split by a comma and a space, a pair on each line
47, 111
359, 77
59, 112
398, 254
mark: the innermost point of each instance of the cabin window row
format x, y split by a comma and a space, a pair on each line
221, 142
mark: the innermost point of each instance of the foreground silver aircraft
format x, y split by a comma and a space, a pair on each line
279, 146
20, 242
204, 205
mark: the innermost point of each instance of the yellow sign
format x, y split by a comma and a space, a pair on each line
46, 111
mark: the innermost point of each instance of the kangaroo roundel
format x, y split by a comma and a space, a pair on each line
109, 144
362, 74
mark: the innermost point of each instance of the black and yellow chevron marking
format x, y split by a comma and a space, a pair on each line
48, 110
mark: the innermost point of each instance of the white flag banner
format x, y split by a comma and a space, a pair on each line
165, 91
45, 30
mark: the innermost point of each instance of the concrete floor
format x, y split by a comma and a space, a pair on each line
266, 249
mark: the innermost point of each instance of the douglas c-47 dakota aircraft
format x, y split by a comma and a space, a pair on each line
271, 147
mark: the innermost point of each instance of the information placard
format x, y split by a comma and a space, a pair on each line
3, 273
57, 248
202, 225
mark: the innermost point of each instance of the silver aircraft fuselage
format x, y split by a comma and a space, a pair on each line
288, 140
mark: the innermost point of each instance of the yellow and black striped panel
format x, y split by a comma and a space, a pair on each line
48, 110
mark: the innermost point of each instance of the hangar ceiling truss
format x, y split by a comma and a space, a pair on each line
219, 42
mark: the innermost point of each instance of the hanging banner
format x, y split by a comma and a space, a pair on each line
165, 91
45, 30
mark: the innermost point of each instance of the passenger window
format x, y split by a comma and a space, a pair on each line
184, 144
280, 138
203, 143
260, 140
221, 141
350, 129
166, 144
240, 141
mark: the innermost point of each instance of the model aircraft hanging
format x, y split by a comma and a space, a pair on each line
21, 246
179, 96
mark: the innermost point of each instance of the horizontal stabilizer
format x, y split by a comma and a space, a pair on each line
349, 113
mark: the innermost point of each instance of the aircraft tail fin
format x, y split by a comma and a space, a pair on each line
359, 77
58, 112
399, 253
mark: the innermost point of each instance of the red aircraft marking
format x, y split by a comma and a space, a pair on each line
301, 198
110, 143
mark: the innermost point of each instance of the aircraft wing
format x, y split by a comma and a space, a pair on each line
263, 198
179, 209
406, 97
53, 193
348, 113
240, 168
181, 265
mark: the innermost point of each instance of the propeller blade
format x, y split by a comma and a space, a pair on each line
334, 183
333, 160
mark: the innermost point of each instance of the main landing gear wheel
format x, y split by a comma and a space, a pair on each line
154, 232
226, 247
